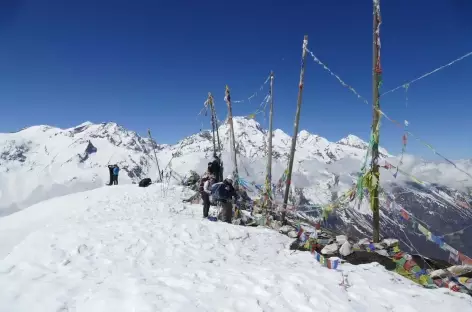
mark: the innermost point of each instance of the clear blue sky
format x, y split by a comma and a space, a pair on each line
151, 63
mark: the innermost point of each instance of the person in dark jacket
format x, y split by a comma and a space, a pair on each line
110, 169
223, 193
116, 170
216, 168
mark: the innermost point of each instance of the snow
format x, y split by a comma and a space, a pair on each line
125, 248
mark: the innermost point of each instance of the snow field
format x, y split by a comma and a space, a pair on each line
126, 248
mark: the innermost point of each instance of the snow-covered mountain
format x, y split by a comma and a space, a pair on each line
42, 162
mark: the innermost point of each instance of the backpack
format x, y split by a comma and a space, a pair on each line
220, 191
145, 182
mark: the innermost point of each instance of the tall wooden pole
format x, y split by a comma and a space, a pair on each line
155, 156
295, 128
222, 169
269, 154
376, 71
210, 103
214, 120
231, 129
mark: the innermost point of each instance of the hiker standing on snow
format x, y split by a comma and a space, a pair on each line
216, 168
207, 180
223, 193
110, 169
116, 170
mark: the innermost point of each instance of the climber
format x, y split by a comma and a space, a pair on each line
216, 168
110, 169
116, 170
207, 180
223, 192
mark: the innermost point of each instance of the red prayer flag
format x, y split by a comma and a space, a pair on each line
464, 259
404, 214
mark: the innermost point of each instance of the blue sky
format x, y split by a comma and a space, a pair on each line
151, 63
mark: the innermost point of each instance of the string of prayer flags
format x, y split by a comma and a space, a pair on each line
255, 93
454, 255
429, 73
326, 262
379, 70
389, 166
261, 109
317, 60
407, 267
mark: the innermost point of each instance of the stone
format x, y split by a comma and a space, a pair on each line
276, 225
330, 249
390, 242
285, 229
379, 246
340, 239
382, 252
292, 234
345, 249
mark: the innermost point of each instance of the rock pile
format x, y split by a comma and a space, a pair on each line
427, 272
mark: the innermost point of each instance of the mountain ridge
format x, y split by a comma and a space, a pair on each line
41, 162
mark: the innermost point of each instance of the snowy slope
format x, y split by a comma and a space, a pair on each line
131, 249
42, 162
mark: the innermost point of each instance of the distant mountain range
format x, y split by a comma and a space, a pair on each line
41, 162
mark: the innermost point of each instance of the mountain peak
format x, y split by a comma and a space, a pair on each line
353, 141
85, 124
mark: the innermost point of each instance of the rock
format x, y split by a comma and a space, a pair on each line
330, 249
345, 249
460, 269
439, 273
363, 257
90, 149
276, 225
286, 229
379, 246
236, 222
296, 245
390, 242
382, 252
192, 179
292, 234
340, 239
246, 217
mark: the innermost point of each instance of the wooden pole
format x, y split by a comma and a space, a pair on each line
215, 123
231, 129
295, 130
376, 71
155, 155
222, 169
269, 155
210, 103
